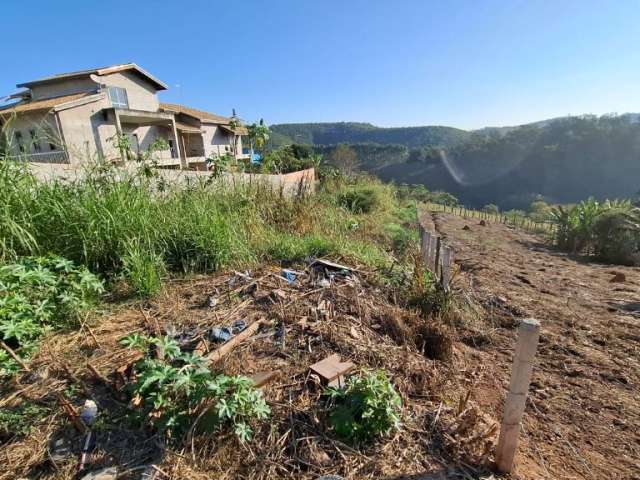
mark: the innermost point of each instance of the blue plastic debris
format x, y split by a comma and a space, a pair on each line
289, 276
223, 334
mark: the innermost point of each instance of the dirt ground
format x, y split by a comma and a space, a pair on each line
583, 415
582, 418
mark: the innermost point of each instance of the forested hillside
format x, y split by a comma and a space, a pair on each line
562, 160
352, 132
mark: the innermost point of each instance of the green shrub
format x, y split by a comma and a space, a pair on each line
359, 199
616, 234
610, 230
540, 211
171, 392
367, 407
38, 294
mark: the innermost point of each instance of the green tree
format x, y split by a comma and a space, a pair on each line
491, 208
258, 135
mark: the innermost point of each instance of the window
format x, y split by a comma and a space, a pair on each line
21, 148
118, 97
35, 142
172, 149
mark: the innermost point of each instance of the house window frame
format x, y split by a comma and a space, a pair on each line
18, 136
118, 96
35, 142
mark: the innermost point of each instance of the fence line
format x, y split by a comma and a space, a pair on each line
513, 220
436, 256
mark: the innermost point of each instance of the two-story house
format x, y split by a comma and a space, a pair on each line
78, 116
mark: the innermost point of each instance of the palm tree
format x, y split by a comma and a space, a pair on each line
258, 135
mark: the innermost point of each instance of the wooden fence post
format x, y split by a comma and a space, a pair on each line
528, 335
447, 260
436, 263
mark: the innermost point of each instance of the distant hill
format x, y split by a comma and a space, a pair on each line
353, 132
562, 159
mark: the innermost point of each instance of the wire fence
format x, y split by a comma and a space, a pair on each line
518, 221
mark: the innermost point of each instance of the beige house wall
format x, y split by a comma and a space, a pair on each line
63, 87
216, 140
149, 134
141, 94
87, 133
44, 127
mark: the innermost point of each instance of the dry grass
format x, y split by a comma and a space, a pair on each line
356, 318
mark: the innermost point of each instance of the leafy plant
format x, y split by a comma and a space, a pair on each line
173, 391
38, 294
20, 420
367, 407
610, 230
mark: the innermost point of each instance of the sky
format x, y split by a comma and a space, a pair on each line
461, 63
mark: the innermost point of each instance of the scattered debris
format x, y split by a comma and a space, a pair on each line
212, 301
227, 347
262, 378
89, 412
331, 370
482, 223
289, 275
224, 334
59, 448
109, 473
618, 277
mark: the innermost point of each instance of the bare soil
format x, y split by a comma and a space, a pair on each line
583, 415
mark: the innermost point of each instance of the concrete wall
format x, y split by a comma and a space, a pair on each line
216, 140
149, 134
86, 132
64, 87
141, 94
290, 184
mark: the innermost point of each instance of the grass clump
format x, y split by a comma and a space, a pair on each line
38, 294
367, 407
143, 270
172, 391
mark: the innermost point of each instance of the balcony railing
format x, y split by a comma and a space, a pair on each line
58, 156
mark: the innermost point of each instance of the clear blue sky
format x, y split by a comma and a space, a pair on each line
393, 63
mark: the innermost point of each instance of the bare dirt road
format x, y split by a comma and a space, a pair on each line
583, 414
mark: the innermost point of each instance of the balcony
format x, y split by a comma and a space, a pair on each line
57, 156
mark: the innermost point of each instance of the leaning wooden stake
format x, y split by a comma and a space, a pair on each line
528, 335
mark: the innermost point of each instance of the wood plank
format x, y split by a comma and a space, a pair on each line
330, 368
262, 378
228, 346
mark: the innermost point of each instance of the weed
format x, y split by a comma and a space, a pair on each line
367, 407
20, 420
143, 270
38, 294
175, 390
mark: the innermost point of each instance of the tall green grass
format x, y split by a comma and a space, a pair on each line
139, 227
